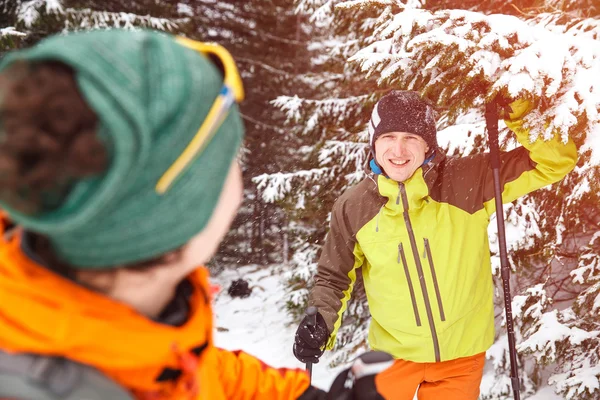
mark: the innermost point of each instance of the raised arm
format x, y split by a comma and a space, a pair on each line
532, 166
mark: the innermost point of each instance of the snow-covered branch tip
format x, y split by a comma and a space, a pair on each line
275, 187
28, 13
89, 19
320, 12
550, 330
11, 31
354, 4
296, 108
343, 153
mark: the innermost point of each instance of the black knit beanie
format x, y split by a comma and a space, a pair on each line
403, 111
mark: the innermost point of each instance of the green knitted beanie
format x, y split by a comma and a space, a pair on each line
151, 95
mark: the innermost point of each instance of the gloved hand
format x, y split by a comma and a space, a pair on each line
518, 109
358, 381
511, 109
309, 343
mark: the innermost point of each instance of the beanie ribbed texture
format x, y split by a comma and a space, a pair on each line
151, 95
403, 111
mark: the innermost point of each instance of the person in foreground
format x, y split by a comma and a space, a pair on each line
118, 179
418, 230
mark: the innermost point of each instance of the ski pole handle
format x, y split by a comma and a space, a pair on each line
311, 313
491, 121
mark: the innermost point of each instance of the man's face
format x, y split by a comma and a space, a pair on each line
400, 154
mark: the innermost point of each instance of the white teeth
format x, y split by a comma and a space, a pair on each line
395, 162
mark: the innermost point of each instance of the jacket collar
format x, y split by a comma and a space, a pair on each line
176, 313
416, 188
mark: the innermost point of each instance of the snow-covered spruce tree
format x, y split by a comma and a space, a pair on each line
270, 49
461, 60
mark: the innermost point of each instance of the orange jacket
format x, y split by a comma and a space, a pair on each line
46, 314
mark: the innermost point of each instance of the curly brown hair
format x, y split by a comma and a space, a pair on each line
47, 136
48, 142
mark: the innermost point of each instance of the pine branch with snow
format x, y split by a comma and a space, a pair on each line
561, 23
579, 346
317, 113
11, 31
275, 187
86, 19
29, 13
464, 59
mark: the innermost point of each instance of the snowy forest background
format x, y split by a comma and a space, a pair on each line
313, 70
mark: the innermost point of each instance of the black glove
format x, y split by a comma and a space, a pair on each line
358, 381
309, 343
503, 106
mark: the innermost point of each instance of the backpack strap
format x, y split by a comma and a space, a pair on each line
28, 375
57, 375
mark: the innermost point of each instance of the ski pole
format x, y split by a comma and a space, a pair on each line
311, 313
491, 120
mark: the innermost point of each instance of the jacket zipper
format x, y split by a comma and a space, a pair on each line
402, 257
413, 245
435, 281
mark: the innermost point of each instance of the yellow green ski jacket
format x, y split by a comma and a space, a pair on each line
423, 248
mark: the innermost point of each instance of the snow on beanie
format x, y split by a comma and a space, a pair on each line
403, 111
151, 95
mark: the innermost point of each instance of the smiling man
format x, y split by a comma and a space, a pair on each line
418, 231
400, 154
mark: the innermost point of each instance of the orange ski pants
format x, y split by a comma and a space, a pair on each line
448, 380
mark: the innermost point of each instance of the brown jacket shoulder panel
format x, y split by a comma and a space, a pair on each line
467, 182
358, 205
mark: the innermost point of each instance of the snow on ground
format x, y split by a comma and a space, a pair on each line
260, 325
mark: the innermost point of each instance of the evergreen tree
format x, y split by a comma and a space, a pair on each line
461, 60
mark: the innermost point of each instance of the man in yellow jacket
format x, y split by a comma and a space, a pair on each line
418, 230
